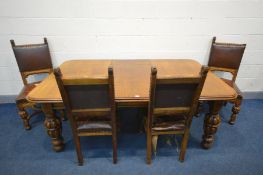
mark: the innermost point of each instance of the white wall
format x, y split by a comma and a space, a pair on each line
131, 29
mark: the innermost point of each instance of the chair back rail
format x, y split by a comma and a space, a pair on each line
226, 57
90, 105
177, 95
87, 96
32, 59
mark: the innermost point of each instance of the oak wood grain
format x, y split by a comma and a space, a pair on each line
132, 79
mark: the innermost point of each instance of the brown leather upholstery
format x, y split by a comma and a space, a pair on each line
173, 102
94, 126
88, 96
174, 95
169, 123
90, 106
32, 57
226, 55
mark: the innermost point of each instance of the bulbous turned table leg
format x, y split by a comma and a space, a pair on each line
24, 115
211, 122
53, 126
235, 110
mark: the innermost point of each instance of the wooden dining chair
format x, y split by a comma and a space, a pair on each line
172, 105
90, 106
31, 59
226, 57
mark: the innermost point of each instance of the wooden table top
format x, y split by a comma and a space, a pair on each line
131, 78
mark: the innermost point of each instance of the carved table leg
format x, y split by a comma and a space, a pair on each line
211, 123
235, 110
24, 115
53, 126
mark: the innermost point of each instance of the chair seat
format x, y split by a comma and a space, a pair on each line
233, 85
21, 97
94, 126
169, 123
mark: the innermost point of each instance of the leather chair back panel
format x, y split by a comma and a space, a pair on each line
226, 56
174, 95
33, 57
88, 96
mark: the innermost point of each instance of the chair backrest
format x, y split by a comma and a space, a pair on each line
32, 58
87, 96
226, 57
176, 95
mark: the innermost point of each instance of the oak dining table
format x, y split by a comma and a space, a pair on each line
132, 82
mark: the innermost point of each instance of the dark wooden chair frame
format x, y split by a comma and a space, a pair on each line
237, 102
72, 113
23, 104
188, 111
